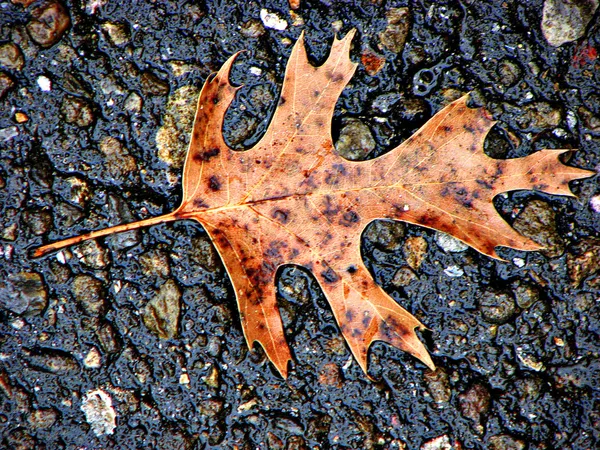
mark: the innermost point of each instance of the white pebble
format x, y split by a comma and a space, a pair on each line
44, 83
449, 243
454, 271
99, 413
272, 20
595, 203
519, 262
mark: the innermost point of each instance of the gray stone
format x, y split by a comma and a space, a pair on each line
497, 307
566, 20
537, 221
355, 141
161, 314
23, 293
385, 234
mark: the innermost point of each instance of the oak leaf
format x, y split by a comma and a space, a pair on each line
291, 199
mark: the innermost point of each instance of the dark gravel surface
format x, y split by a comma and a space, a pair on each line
96, 99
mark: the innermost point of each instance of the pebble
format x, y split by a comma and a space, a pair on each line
566, 20
272, 20
252, 29
53, 361
48, 24
505, 442
118, 33
73, 190
330, 376
92, 254
177, 122
6, 134
89, 295
454, 271
23, 293
475, 402
509, 72
99, 412
39, 221
541, 116
117, 160
134, 103
155, 263
595, 203
403, 277
371, 61
107, 337
211, 407
6, 84
449, 243
355, 141
11, 57
153, 85
385, 234
398, 25
42, 418
44, 83
526, 295
93, 360
497, 307
438, 386
77, 111
537, 221
161, 314
583, 260
439, 443
415, 250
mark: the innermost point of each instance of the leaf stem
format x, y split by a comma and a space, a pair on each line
41, 251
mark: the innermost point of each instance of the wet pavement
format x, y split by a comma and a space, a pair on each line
134, 341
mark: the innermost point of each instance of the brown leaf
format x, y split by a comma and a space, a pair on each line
291, 200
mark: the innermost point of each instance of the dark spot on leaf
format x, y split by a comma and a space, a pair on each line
316, 93
281, 100
351, 269
447, 128
199, 203
349, 219
349, 315
214, 184
486, 184
205, 156
366, 321
329, 276
281, 215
